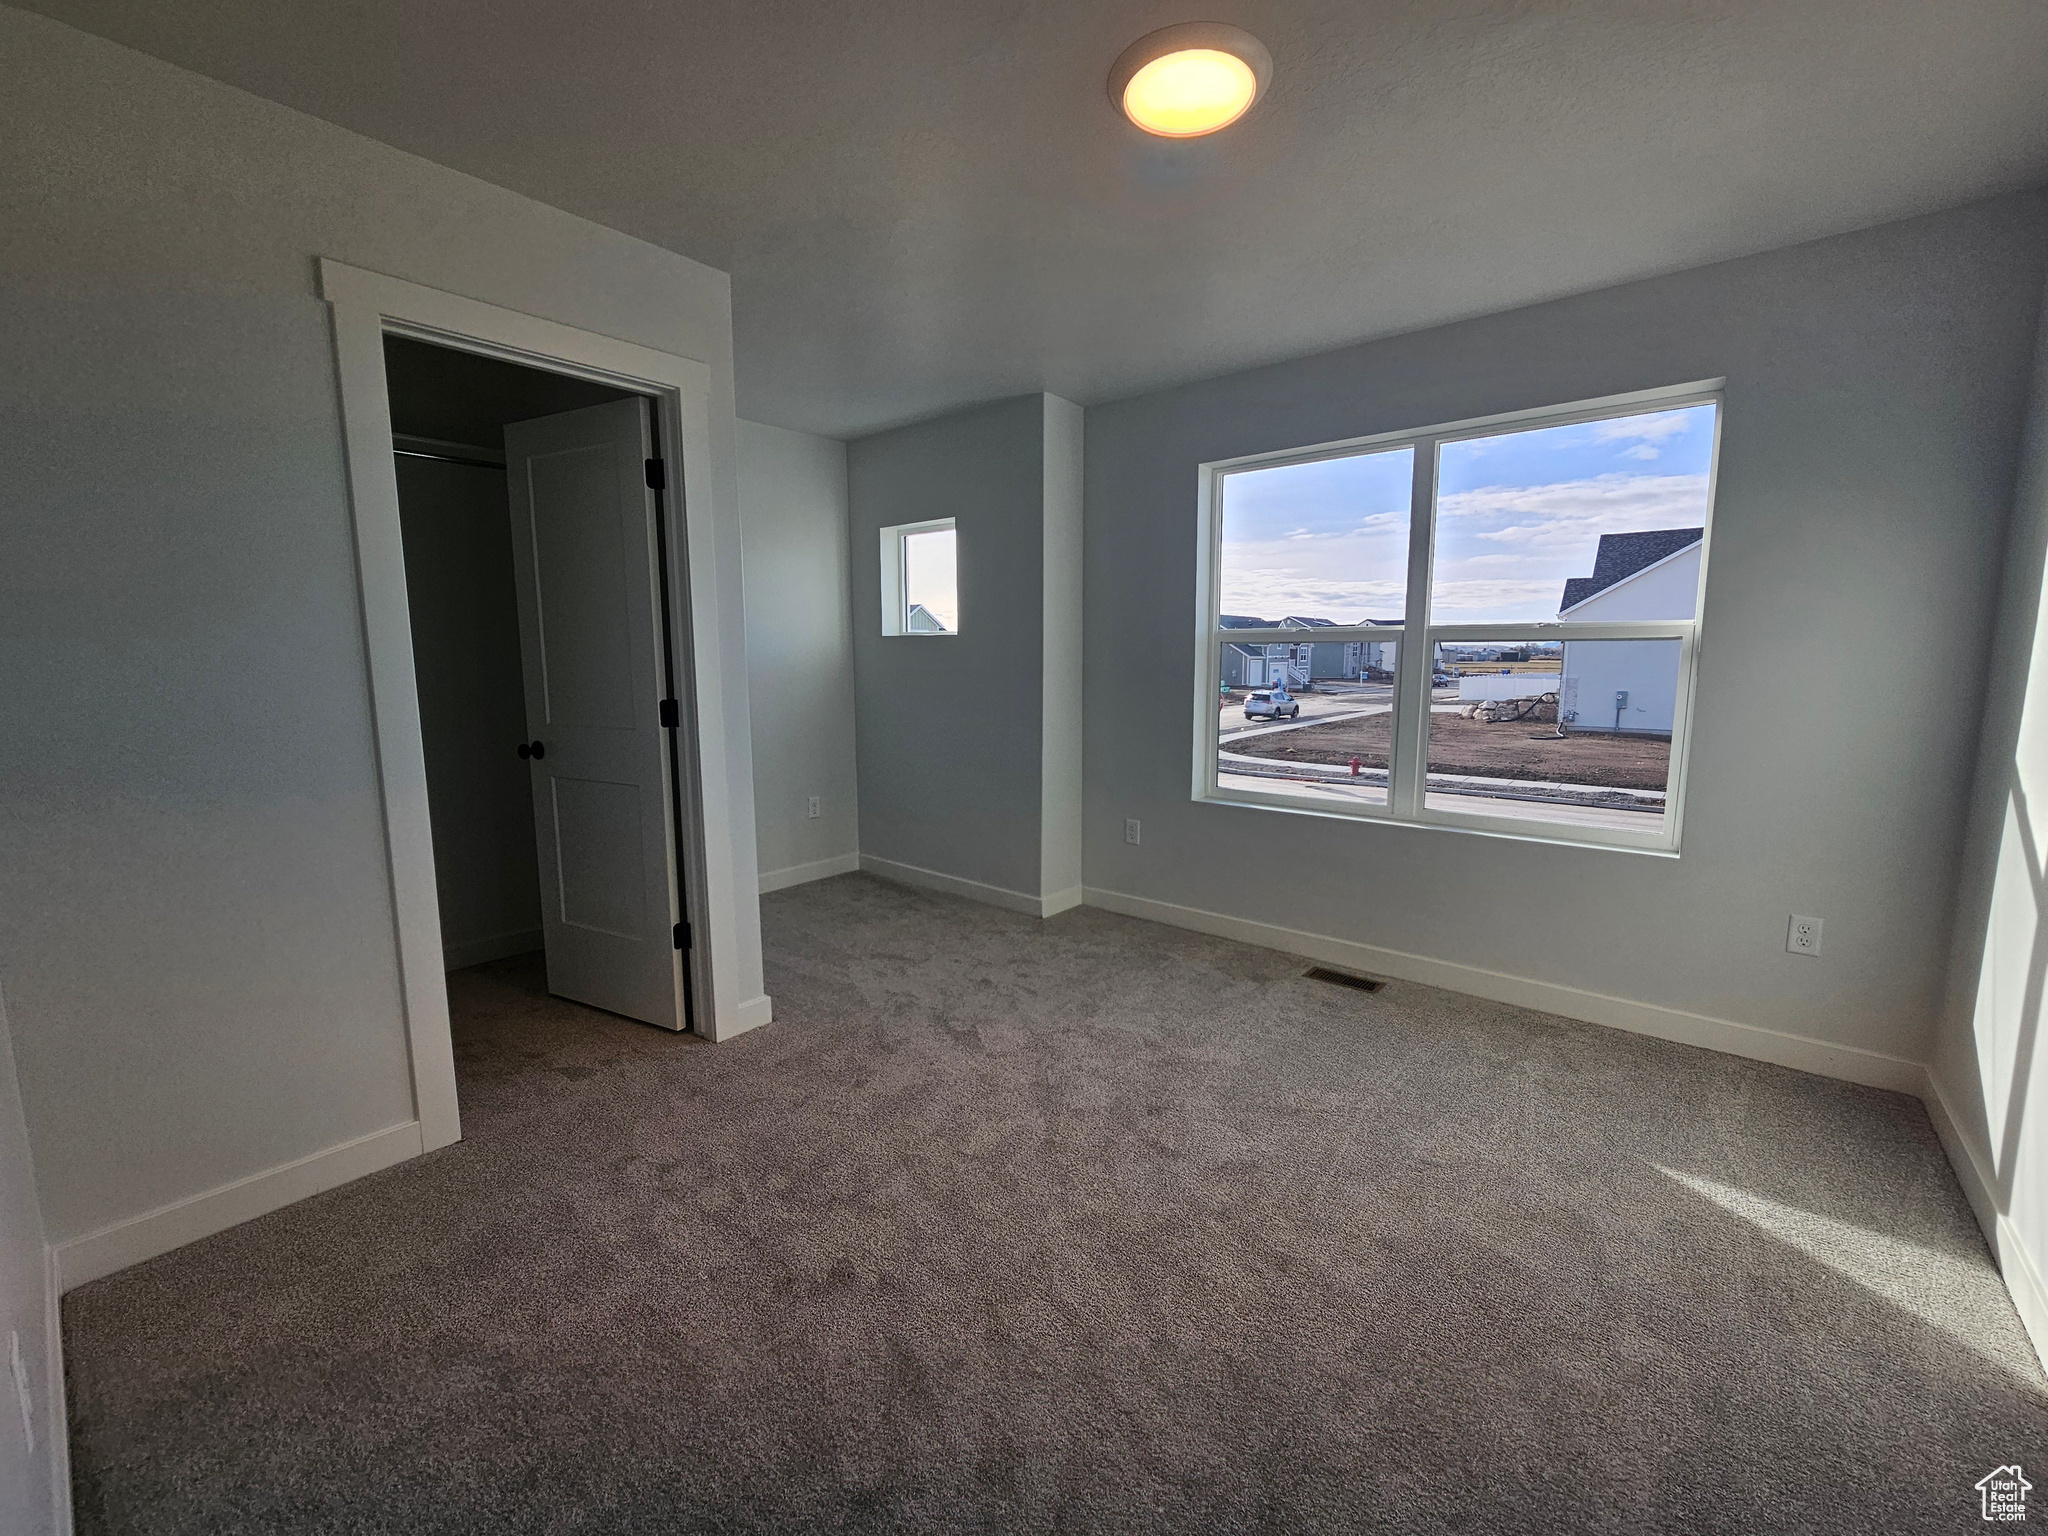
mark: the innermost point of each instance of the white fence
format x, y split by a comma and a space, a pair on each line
1510, 685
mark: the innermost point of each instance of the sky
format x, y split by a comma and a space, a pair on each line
1518, 513
931, 575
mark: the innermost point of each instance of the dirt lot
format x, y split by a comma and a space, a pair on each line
1511, 750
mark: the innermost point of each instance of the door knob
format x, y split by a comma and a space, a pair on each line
532, 749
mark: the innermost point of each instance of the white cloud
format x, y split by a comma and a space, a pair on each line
1641, 451
1502, 601
1651, 428
1276, 594
1379, 526
1575, 512
1503, 552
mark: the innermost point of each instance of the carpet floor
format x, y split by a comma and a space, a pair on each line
1082, 1225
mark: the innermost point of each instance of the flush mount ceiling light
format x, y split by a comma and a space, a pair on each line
1182, 82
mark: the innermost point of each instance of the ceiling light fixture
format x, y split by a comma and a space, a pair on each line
1182, 82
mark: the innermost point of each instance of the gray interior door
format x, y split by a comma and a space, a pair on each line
585, 553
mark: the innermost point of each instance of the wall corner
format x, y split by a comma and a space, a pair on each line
1063, 680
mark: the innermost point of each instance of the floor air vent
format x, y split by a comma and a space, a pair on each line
1342, 978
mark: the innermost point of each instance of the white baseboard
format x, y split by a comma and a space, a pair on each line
973, 890
1973, 1172
751, 1014
1850, 1063
56, 1409
2023, 1281
463, 953
803, 874
115, 1247
1062, 901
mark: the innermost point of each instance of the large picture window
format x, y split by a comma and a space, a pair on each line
1488, 625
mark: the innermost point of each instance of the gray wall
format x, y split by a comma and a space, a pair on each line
1876, 384
199, 949
948, 726
1987, 1058
32, 1463
799, 648
465, 654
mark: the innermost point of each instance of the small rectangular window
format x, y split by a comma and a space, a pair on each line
1488, 625
920, 579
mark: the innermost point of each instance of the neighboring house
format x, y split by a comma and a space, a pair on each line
922, 621
1629, 686
1328, 658
1377, 657
1344, 658
1262, 664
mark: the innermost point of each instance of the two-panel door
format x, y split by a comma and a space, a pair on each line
585, 546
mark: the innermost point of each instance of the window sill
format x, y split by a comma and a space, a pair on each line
1433, 824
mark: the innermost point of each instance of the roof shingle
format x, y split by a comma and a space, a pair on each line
1621, 555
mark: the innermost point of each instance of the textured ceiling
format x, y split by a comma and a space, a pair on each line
927, 202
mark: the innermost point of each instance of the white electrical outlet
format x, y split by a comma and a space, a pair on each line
1803, 936
811, 811
1131, 830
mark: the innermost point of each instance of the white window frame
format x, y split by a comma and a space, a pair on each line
896, 583
1417, 638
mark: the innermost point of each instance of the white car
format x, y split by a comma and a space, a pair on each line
1271, 704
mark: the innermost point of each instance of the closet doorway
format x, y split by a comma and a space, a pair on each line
533, 531
692, 884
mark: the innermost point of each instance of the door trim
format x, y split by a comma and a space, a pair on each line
365, 307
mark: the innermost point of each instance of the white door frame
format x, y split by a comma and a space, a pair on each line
366, 307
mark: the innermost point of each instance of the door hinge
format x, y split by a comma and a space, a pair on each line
657, 475
682, 935
671, 714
